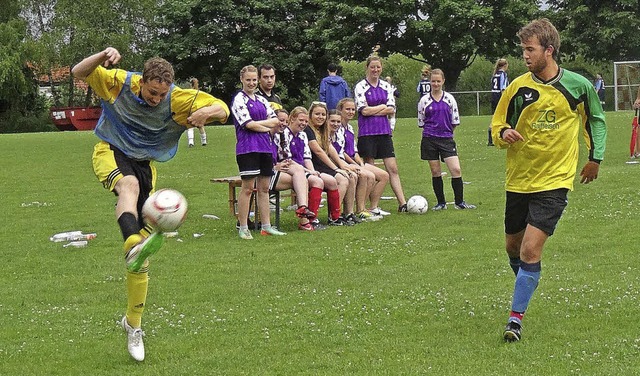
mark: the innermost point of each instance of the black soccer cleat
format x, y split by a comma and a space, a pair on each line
512, 332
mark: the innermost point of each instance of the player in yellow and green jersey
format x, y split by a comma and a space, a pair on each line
143, 117
538, 120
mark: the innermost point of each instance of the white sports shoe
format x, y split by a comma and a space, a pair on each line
378, 211
134, 340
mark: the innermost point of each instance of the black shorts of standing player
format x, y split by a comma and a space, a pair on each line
434, 148
377, 147
255, 164
495, 98
540, 209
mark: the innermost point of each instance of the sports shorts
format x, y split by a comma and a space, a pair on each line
254, 164
110, 165
377, 147
434, 148
541, 210
273, 182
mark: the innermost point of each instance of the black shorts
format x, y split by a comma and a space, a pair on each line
434, 148
273, 183
541, 210
495, 98
377, 147
110, 165
254, 164
323, 168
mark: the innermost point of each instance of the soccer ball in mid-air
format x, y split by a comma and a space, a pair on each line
165, 210
417, 205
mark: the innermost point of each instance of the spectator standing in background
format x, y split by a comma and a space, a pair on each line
333, 87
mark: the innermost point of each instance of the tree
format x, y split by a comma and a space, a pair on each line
447, 34
66, 31
18, 89
214, 39
598, 29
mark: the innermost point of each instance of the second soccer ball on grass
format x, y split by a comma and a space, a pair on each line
417, 205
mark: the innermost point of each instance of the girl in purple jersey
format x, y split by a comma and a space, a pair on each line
296, 148
254, 119
375, 102
290, 175
377, 178
438, 116
358, 179
325, 160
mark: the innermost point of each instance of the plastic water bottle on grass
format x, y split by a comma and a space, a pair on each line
71, 236
76, 244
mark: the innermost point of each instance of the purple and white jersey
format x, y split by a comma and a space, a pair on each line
299, 147
438, 118
244, 110
338, 141
274, 148
368, 95
350, 147
281, 142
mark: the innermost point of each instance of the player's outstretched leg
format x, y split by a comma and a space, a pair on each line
141, 250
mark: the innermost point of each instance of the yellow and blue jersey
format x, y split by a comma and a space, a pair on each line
549, 116
107, 84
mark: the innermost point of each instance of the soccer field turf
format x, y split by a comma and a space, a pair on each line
411, 294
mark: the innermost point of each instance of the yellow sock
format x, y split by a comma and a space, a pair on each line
131, 241
146, 231
137, 284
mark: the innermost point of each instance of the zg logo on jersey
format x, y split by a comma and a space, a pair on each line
546, 119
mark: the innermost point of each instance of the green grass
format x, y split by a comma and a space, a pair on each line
409, 295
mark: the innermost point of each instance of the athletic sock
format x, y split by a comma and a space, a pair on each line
456, 184
333, 201
315, 196
128, 224
438, 189
514, 263
266, 227
516, 317
137, 285
526, 284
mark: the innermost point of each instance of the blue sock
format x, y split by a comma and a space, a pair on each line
526, 283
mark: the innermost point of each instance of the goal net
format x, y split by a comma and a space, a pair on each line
626, 79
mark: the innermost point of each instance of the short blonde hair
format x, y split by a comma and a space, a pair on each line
547, 34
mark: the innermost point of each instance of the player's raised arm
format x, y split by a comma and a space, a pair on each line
110, 56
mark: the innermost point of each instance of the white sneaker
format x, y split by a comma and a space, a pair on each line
378, 211
134, 340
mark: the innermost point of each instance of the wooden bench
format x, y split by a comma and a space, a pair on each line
235, 182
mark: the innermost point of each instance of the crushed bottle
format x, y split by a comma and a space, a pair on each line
71, 236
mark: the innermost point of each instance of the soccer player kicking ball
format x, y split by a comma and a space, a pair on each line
143, 117
547, 108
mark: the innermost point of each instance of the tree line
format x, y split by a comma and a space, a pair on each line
213, 39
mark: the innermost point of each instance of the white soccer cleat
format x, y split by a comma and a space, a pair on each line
135, 345
378, 211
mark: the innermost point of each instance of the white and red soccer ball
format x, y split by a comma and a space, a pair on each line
165, 210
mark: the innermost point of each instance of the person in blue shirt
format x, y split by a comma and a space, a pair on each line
333, 87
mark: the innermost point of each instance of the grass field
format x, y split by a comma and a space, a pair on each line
411, 294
